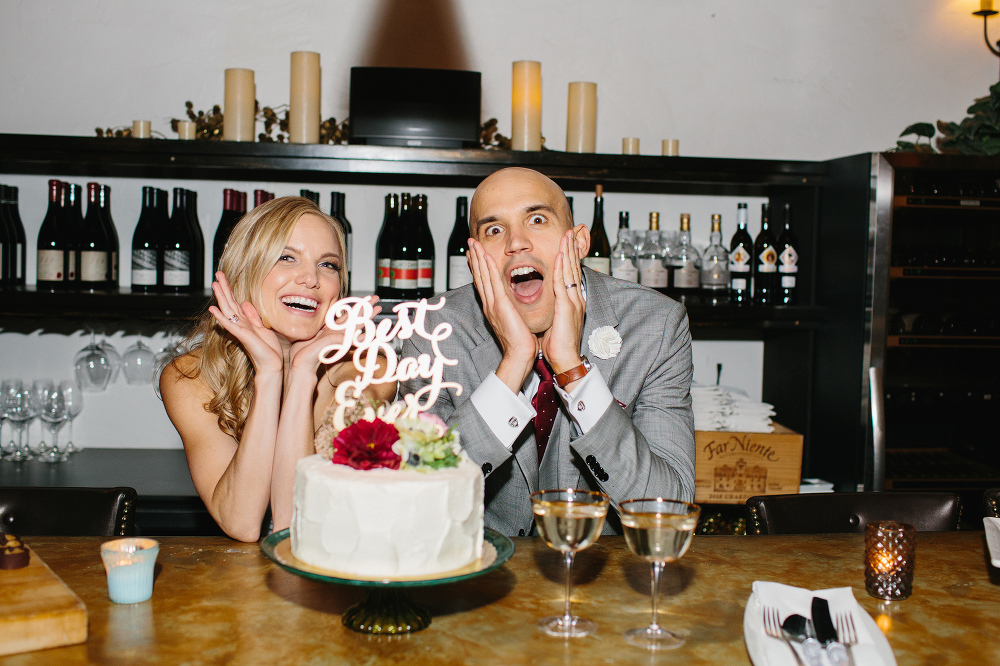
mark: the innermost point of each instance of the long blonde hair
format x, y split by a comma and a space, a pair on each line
254, 247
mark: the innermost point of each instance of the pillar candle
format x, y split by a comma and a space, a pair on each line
581, 117
238, 121
526, 106
141, 129
187, 130
630, 146
671, 147
303, 101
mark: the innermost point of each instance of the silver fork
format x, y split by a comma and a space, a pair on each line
846, 633
772, 627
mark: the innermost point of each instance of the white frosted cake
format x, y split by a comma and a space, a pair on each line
387, 522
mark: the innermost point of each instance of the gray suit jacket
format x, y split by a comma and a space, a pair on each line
645, 449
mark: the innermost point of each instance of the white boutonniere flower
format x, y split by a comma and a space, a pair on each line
605, 342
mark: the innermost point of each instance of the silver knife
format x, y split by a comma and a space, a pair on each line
826, 634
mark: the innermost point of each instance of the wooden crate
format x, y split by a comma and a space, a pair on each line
732, 466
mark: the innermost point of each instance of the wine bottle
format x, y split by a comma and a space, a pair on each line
715, 267
652, 270
740, 252
599, 256
145, 243
20, 260
178, 246
788, 262
685, 265
73, 227
338, 205
226, 224
623, 255
198, 252
110, 232
93, 251
383, 248
51, 265
458, 246
312, 196
7, 242
263, 196
765, 262
425, 248
405, 261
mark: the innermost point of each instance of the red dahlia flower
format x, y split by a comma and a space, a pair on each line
367, 445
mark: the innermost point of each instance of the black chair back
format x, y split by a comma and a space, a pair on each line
67, 511
825, 513
990, 498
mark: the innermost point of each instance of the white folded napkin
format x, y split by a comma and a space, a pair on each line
790, 600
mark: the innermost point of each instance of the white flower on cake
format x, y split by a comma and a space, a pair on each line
605, 342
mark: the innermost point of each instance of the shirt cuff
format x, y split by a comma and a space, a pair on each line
505, 413
588, 401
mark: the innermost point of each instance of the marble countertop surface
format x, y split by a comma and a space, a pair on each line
217, 601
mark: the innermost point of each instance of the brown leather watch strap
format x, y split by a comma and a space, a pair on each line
573, 374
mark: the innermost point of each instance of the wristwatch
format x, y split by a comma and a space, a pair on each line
573, 374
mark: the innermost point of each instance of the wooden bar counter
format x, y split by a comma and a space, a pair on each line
216, 601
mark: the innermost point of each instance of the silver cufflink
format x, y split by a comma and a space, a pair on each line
579, 406
512, 423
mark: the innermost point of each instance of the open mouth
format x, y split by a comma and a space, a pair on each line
526, 283
300, 303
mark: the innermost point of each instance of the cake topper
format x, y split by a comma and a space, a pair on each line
354, 316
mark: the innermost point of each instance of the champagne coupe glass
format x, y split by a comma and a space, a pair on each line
659, 531
53, 412
92, 367
139, 365
74, 405
40, 389
569, 521
19, 407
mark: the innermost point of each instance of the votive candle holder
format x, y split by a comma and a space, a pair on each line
890, 550
129, 564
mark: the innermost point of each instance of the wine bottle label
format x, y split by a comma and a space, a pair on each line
624, 269
686, 277
50, 265
382, 273
176, 268
738, 284
599, 264
788, 281
715, 274
144, 267
789, 261
425, 274
767, 260
739, 260
70, 265
404, 274
458, 271
652, 273
93, 266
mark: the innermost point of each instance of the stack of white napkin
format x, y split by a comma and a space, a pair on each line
722, 408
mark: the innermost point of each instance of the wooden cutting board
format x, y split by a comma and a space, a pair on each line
37, 610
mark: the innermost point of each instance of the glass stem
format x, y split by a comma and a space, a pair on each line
568, 617
657, 568
70, 434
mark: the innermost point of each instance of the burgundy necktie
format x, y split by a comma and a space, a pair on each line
545, 406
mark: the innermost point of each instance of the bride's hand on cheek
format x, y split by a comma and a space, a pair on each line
244, 323
305, 353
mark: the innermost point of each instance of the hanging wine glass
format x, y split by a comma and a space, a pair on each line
114, 359
139, 365
19, 408
92, 367
53, 412
74, 405
8, 386
40, 389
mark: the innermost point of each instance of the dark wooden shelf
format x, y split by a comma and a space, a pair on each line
943, 273
952, 341
215, 160
949, 202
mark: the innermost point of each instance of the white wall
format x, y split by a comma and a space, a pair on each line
781, 79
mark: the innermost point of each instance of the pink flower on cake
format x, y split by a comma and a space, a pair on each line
367, 445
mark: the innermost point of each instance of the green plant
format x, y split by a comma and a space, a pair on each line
977, 134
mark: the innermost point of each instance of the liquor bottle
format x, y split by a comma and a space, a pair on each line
198, 252
178, 246
338, 209
73, 227
52, 243
740, 252
458, 245
8, 245
312, 196
599, 257
765, 262
383, 248
685, 265
94, 249
788, 260
715, 267
425, 248
623, 258
652, 269
20, 260
405, 261
145, 243
110, 232
226, 224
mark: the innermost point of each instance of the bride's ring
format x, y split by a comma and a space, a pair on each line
570, 286
234, 318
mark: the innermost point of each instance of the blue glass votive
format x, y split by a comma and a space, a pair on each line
129, 564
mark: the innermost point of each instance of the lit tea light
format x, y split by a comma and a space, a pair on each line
129, 565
